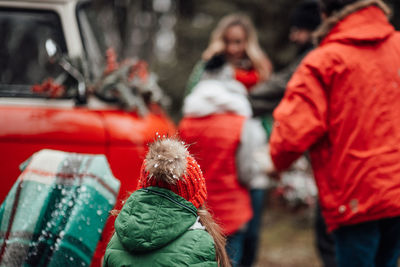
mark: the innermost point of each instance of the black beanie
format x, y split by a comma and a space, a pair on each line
306, 15
329, 6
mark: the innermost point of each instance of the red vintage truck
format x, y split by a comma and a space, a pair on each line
32, 34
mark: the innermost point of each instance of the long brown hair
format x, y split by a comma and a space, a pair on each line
253, 50
216, 233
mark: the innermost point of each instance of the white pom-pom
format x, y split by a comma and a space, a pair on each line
166, 160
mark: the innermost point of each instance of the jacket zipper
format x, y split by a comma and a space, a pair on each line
170, 199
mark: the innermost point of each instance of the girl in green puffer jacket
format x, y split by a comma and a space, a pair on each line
165, 222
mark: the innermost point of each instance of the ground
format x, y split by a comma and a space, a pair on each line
287, 238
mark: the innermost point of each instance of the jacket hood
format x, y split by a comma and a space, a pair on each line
153, 217
361, 22
217, 96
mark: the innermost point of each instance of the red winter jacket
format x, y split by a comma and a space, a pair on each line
214, 141
343, 105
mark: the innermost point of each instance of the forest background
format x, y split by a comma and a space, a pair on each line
171, 34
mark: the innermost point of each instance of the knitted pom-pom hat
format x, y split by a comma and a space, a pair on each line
169, 165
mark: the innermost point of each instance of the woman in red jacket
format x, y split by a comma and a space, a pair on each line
342, 105
217, 123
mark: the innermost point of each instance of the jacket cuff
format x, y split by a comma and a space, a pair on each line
283, 160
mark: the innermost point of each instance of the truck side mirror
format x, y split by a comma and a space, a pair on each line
52, 50
54, 55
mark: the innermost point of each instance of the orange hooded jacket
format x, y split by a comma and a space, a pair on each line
343, 105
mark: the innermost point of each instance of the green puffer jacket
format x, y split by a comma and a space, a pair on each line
155, 228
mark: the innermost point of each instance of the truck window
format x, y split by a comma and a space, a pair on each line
23, 58
93, 38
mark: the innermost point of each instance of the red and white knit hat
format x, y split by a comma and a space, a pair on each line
169, 165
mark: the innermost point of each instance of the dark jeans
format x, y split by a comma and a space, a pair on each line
369, 244
324, 241
252, 234
234, 247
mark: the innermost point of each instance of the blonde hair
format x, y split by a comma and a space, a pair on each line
253, 50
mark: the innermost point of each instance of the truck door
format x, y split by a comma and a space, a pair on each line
29, 121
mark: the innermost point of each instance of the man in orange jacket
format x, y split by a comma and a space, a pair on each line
342, 105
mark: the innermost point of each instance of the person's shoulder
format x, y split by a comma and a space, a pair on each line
215, 63
200, 237
115, 253
193, 248
201, 246
114, 244
197, 240
323, 61
322, 55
